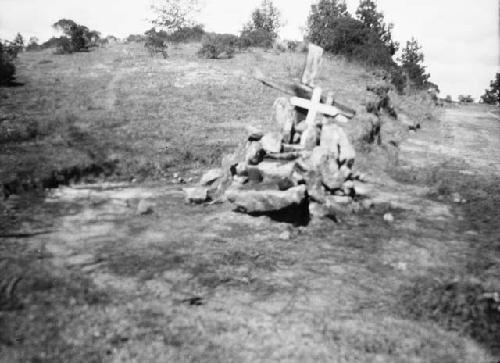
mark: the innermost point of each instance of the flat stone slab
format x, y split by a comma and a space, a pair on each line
266, 201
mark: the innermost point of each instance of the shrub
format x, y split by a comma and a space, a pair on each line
156, 42
218, 46
63, 46
398, 79
7, 67
33, 45
135, 38
465, 99
293, 45
187, 34
77, 37
256, 38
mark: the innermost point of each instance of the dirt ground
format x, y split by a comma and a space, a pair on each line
87, 279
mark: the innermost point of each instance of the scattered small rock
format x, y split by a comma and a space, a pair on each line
388, 217
144, 208
271, 142
210, 177
254, 133
196, 195
285, 236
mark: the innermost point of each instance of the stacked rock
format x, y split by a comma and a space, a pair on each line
301, 169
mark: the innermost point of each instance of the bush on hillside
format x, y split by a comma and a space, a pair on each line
187, 34
218, 46
256, 38
33, 45
77, 38
7, 67
156, 42
136, 38
465, 99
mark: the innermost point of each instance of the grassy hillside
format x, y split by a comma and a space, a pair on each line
85, 277
119, 112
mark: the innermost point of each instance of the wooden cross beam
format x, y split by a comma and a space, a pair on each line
315, 107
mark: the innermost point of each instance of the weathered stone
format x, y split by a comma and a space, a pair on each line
254, 133
271, 142
362, 189
348, 188
255, 153
196, 195
266, 201
346, 150
285, 236
271, 169
331, 176
330, 139
285, 117
301, 127
309, 137
317, 210
254, 174
241, 169
144, 207
346, 172
337, 199
210, 177
319, 156
388, 217
292, 148
240, 179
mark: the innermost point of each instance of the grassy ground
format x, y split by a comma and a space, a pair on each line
86, 279
119, 109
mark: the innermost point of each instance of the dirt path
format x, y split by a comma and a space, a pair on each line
192, 283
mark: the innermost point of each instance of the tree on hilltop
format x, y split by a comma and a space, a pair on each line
77, 37
262, 29
173, 15
333, 28
411, 60
368, 14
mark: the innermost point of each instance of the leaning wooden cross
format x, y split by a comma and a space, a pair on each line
307, 88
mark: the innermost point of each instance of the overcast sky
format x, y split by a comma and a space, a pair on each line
460, 38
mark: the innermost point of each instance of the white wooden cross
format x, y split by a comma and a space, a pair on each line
315, 107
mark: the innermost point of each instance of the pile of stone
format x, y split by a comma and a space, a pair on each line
300, 168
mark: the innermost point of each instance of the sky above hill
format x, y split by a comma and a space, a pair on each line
460, 38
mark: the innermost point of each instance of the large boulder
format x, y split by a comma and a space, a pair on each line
331, 176
196, 195
254, 153
210, 177
273, 169
309, 137
330, 139
285, 117
271, 142
266, 201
